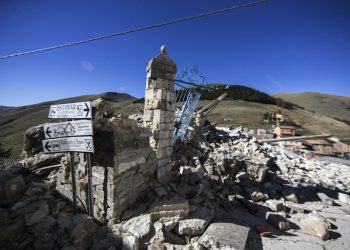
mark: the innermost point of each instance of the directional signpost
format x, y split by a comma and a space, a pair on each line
78, 110
72, 136
69, 144
72, 128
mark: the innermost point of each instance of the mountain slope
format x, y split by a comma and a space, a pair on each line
250, 115
324, 104
4, 107
16, 120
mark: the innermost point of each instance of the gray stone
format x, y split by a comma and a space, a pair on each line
169, 223
278, 221
192, 227
130, 243
325, 199
224, 236
139, 226
316, 225
296, 207
344, 198
275, 205
170, 209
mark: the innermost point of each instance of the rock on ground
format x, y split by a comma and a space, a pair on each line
221, 235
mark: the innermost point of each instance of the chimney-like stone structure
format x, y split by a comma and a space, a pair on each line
160, 109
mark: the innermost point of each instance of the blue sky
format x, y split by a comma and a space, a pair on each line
278, 46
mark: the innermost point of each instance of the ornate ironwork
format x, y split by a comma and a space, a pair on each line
192, 75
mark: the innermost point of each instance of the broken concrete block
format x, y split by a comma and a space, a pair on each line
139, 226
325, 199
278, 221
344, 198
275, 205
170, 209
169, 223
11, 188
192, 227
224, 236
314, 224
130, 243
296, 208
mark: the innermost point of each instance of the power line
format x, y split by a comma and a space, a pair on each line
133, 30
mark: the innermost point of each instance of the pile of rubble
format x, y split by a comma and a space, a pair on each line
225, 193
32, 216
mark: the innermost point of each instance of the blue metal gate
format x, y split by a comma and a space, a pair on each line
186, 99
184, 118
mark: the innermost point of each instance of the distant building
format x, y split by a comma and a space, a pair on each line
284, 131
279, 117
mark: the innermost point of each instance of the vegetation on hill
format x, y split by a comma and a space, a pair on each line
239, 92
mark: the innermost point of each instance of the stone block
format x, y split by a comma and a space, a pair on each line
192, 227
275, 205
161, 153
325, 199
130, 243
170, 209
158, 116
221, 235
316, 225
139, 226
150, 94
344, 198
278, 221
163, 143
127, 166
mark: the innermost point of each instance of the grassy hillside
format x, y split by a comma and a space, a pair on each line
15, 121
327, 105
250, 114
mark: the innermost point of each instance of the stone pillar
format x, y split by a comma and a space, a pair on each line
160, 109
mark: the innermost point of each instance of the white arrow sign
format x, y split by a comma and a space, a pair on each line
69, 144
71, 110
72, 128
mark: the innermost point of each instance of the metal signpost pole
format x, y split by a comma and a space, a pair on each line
90, 194
74, 187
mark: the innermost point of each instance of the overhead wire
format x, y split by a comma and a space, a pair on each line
133, 30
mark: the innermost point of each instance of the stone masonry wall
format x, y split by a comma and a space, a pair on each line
159, 109
124, 167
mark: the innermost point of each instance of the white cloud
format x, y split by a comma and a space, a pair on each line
88, 66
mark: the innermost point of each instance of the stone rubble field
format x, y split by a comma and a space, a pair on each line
226, 193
